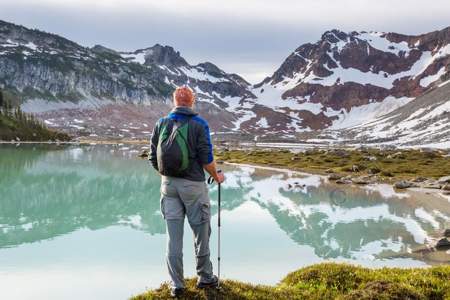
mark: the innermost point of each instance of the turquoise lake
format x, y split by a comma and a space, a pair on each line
83, 222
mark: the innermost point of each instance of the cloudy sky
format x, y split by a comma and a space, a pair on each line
248, 37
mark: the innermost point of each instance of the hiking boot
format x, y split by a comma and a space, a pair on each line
214, 282
176, 292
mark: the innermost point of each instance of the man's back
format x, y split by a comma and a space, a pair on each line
198, 141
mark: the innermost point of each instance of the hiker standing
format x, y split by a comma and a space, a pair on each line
181, 150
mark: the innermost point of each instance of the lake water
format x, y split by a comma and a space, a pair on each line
84, 223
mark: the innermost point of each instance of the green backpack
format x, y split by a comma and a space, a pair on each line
172, 152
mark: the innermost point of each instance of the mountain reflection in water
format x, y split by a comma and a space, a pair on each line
55, 190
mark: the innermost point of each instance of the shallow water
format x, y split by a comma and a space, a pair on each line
84, 223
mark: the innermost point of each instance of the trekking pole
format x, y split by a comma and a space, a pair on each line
218, 241
210, 181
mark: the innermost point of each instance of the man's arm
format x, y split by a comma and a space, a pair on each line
153, 146
205, 153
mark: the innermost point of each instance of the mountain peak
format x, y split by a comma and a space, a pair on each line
334, 36
164, 55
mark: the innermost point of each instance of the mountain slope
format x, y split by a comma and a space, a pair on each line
425, 120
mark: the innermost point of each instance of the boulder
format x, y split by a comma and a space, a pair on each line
445, 179
431, 184
403, 184
355, 168
334, 176
143, 154
373, 170
420, 179
329, 171
370, 158
446, 187
361, 180
447, 232
443, 244
343, 181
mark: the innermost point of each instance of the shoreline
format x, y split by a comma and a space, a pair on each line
422, 190
246, 144
419, 170
250, 157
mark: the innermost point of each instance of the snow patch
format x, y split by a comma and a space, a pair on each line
199, 74
426, 81
41, 105
138, 57
360, 114
263, 123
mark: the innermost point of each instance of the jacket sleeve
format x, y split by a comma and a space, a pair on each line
204, 145
153, 145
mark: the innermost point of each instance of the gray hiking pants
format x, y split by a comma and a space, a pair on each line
180, 197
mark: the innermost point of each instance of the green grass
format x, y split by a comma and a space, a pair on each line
330, 281
389, 165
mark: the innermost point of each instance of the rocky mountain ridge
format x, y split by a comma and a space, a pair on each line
322, 89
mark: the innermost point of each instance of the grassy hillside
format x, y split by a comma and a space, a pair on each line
15, 124
331, 281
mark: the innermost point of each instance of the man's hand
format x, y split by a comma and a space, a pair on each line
216, 174
219, 178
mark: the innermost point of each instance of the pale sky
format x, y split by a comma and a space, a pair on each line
248, 37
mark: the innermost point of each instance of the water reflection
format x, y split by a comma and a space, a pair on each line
366, 223
50, 192
46, 193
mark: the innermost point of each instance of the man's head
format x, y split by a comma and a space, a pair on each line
183, 96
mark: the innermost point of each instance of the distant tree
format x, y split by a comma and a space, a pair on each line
6, 106
1, 99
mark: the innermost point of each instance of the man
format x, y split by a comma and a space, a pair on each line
181, 150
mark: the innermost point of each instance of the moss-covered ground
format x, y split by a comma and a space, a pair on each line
330, 281
386, 164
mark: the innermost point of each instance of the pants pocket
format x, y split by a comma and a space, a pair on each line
205, 212
200, 211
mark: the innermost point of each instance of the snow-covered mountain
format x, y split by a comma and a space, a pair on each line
345, 79
101, 91
334, 87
